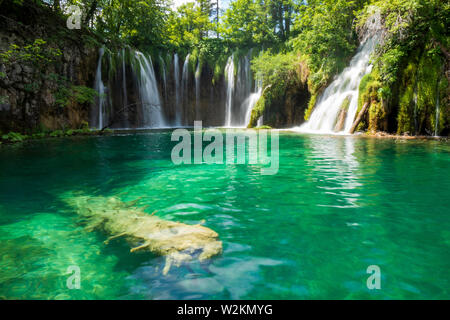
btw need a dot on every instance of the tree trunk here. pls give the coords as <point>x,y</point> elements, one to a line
<point>359,117</point>
<point>91,11</point>
<point>341,120</point>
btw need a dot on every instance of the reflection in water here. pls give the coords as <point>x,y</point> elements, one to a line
<point>334,163</point>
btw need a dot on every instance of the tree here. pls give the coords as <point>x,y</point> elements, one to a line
<point>245,23</point>
<point>190,23</point>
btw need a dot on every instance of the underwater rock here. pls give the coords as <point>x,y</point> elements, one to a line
<point>177,241</point>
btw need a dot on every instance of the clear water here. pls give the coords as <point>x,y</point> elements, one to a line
<point>337,205</point>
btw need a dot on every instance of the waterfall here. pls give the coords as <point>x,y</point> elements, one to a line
<point>184,83</point>
<point>100,88</point>
<point>197,91</point>
<point>229,74</point>
<point>324,117</point>
<point>260,122</point>
<point>176,77</point>
<point>251,101</point>
<point>346,85</point>
<point>164,76</point>
<point>134,94</point>
<point>242,94</point>
<point>244,79</point>
<point>151,105</point>
<point>124,86</point>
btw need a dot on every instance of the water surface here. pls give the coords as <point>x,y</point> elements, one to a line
<point>337,205</point>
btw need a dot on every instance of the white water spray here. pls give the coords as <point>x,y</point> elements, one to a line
<point>229,75</point>
<point>197,90</point>
<point>151,105</point>
<point>124,87</point>
<point>324,117</point>
<point>164,75</point>
<point>251,101</point>
<point>100,87</point>
<point>176,77</point>
<point>184,83</point>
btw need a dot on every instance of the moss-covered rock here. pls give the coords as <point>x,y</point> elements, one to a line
<point>285,96</point>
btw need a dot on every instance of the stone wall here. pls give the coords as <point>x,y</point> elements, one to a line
<point>29,92</point>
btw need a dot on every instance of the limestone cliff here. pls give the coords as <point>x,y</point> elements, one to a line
<point>46,69</point>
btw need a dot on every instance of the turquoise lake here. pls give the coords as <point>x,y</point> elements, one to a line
<point>337,205</point>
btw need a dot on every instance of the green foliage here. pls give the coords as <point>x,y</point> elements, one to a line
<point>250,23</point>
<point>83,94</point>
<point>422,85</point>
<point>278,72</point>
<point>67,94</point>
<point>409,24</point>
<point>371,91</point>
<point>36,54</point>
<point>325,38</point>
<point>272,68</point>
<point>212,52</point>
<point>303,41</point>
<point>245,23</point>
<point>189,24</point>
<point>14,137</point>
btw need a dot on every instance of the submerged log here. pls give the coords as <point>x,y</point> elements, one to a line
<point>177,241</point>
<point>359,117</point>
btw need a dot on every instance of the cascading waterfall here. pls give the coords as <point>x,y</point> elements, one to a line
<point>176,77</point>
<point>324,117</point>
<point>151,105</point>
<point>229,74</point>
<point>197,90</point>
<point>244,77</point>
<point>164,75</point>
<point>260,122</point>
<point>346,86</point>
<point>184,82</point>
<point>130,98</point>
<point>100,88</point>
<point>242,92</point>
<point>124,85</point>
<point>251,101</point>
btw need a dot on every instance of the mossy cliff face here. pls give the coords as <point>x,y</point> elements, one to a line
<point>46,70</point>
<point>411,105</point>
<point>423,97</point>
<point>284,99</point>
